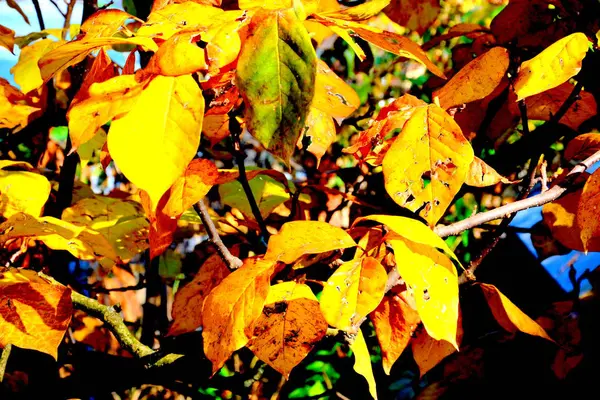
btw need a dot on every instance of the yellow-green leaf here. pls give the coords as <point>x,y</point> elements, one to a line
<point>552,67</point>
<point>353,291</point>
<point>22,191</point>
<point>268,193</point>
<point>276,76</point>
<point>362,362</point>
<point>154,143</point>
<point>298,238</point>
<point>289,327</point>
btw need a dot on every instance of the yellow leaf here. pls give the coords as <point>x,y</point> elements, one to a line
<point>319,130</point>
<point>362,362</point>
<point>288,328</point>
<point>26,71</point>
<point>433,279</point>
<point>333,95</point>
<point>154,143</point>
<point>343,33</point>
<point>105,101</point>
<point>189,300</point>
<point>481,175</point>
<point>80,241</point>
<point>7,38</point>
<point>427,163</point>
<point>34,313</point>
<point>552,67</point>
<point>395,321</point>
<point>16,109</point>
<point>298,238</point>
<point>353,291</point>
<point>122,222</point>
<point>587,213</point>
<point>231,309</point>
<point>475,80</point>
<point>267,4</point>
<point>360,12</point>
<point>76,51</point>
<point>416,15</point>
<point>560,216</point>
<point>22,191</point>
<point>509,316</point>
<point>582,146</point>
<point>93,146</point>
<point>105,23</point>
<point>179,55</point>
<point>224,45</point>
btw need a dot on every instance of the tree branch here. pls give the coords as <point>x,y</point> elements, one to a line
<point>505,211</point>
<point>232,261</point>
<point>38,12</point>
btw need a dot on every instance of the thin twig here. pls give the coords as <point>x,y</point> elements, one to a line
<point>38,12</point>
<point>68,14</point>
<point>506,210</point>
<point>58,8</point>
<point>232,261</point>
<point>4,360</point>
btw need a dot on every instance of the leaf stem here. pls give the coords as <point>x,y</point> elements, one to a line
<point>232,261</point>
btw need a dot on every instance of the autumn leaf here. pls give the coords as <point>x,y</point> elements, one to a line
<point>7,38</point>
<point>231,309</point>
<point>481,175</point>
<point>360,12</point>
<point>416,15</point>
<point>319,131</point>
<point>179,55</point>
<point>26,71</point>
<point>352,292</point>
<point>268,193</point>
<point>276,77</point>
<point>464,29</point>
<point>298,238</point>
<point>587,213</point>
<point>434,281</point>
<point>16,110</point>
<point>362,362</point>
<point>22,191</point>
<point>154,143</point>
<point>162,226</point>
<point>561,217</point>
<point>552,67</point>
<point>104,23</point>
<point>288,328</point>
<point>102,69</point>
<point>427,163</point>
<point>34,313</point>
<point>475,80</point>
<point>189,300</point>
<point>394,321</point>
<point>582,146</point>
<point>15,6</point>
<point>509,316</point>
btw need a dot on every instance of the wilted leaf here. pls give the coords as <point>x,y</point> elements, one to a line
<point>481,175</point>
<point>298,238</point>
<point>289,326</point>
<point>475,80</point>
<point>154,143</point>
<point>191,187</point>
<point>552,67</point>
<point>395,322</point>
<point>276,77</point>
<point>333,96</point>
<point>362,362</point>
<point>22,191</point>
<point>104,23</point>
<point>427,163</point>
<point>26,71</point>
<point>509,316</point>
<point>268,193</point>
<point>582,146</point>
<point>416,15</point>
<point>231,309</point>
<point>433,279</point>
<point>560,217</point>
<point>587,213</point>
<point>429,352</point>
<point>353,291</point>
<point>189,300</point>
<point>34,313</point>
<point>7,38</point>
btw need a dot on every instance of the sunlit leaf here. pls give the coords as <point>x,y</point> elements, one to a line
<point>298,238</point>
<point>320,131</point>
<point>34,313</point>
<point>7,38</point>
<point>26,71</point>
<point>362,362</point>
<point>22,191</point>
<point>179,55</point>
<point>276,75</point>
<point>552,67</point>
<point>268,193</point>
<point>104,23</point>
<point>333,96</point>
<point>429,352</point>
<point>481,175</point>
<point>16,109</point>
<point>360,12</point>
<point>289,326</point>
<point>231,309</point>
<point>102,69</point>
<point>154,143</point>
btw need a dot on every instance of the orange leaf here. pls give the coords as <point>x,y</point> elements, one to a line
<point>395,322</point>
<point>509,316</point>
<point>101,70</point>
<point>34,313</point>
<point>7,38</point>
<point>416,15</point>
<point>289,327</point>
<point>560,217</point>
<point>231,309</point>
<point>481,175</point>
<point>189,300</point>
<point>475,80</point>
<point>587,213</point>
<point>582,146</point>
<point>104,23</point>
<point>298,238</point>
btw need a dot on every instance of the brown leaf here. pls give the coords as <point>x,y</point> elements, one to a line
<point>34,313</point>
<point>582,146</point>
<point>560,217</point>
<point>7,38</point>
<point>587,213</point>
<point>416,15</point>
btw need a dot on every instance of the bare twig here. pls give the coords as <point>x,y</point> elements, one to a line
<point>506,210</point>
<point>232,261</point>
<point>58,8</point>
<point>38,12</point>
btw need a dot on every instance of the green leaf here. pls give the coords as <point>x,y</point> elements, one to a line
<point>276,75</point>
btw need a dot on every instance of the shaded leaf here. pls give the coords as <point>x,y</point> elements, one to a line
<point>276,77</point>
<point>416,15</point>
<point>552,67</point>
<point>154,143</point>
<point>582,146</point>
<point>22,191</point>
<point>298,238</point>
<point>362,362</point>
<point>353,291</point>
<point>429,352</point>
<point>481,175</point>
<point>587,213</point>
<point>560,217</point>
<point>289,326</point>
<point>231,309</point>
<point>34,313</point>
